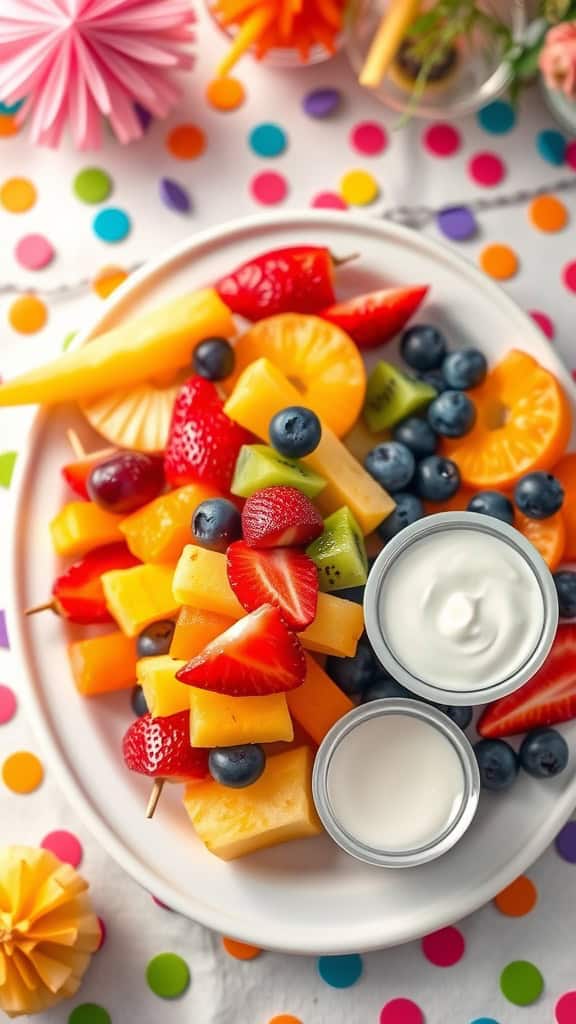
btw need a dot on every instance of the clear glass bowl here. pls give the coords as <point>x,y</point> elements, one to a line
<point>478,76</point>
<point>285,57</point>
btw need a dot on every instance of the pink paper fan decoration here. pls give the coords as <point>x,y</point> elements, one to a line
<point>77,61</point>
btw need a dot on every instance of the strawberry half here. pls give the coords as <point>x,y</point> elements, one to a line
<point>546,699</point>
<point>375,318</point>
<point>280,517</point>
<point>283,577</point>
<point>203,442</point>
<point>78,594</point>
<point>160,748</point>
<point>256,656</point>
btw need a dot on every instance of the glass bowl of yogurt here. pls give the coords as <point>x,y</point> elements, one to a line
<point>460,608</point>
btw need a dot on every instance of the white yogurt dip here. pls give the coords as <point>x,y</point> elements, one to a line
<point>461,609</point>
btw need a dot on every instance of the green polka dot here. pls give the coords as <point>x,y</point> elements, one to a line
<point>7,462</point>
<point>89,1013</point>
<point>167,975</point>
<point>68,340</point>
<point>92,185</point>
<point>521,983</point>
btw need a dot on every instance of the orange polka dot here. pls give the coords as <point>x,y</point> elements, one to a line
<point>548,214</point>
<point>517,899</point>
<point>285,1018</point>
<point>499,261</point>
<point>225,93</point>
<point>22,772</point>
<point>27,314</point>
<point>8,126</point>
<point>17,195</point>
<point>107,280</point>
<point>240,950</point>
<point>186,142</point>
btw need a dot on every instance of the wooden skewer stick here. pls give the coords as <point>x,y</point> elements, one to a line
<point>395,22</point>
<point>341,261</point>
<point>48,606</point>
<point>76,444</point>
<point>154,797</point>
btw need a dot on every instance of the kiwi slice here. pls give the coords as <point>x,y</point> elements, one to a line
<point>339,553</point>
<point>259,466</point>
<point>391,396</point>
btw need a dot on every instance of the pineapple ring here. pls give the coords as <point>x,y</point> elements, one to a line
<point>137,418</point>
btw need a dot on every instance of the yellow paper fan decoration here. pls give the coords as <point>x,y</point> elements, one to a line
<point>48,930</point>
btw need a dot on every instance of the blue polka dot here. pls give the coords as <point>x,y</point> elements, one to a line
<point>340,971</point>
<point>484,1020</point>
<point>111,225</point>
<point>552,147</point>
<point>11,108</point>
<point>268,140</point>
<point>497,118</point>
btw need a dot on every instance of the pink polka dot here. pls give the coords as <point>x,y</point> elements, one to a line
<point>65,846</point>
<point>487,169</point>
<point>401,1011</point>
<point>544,323</point>
<point>368,138</point>
<point>329,201</point>
<point>34,252</point>
<point>444,948</point>
<point>103,934</point>
<point>565,1009</point>
<point>442,139</point>
<point>269,188</point>
<point>569,276</point>
<point>8,704</point>
<point>571,154</point>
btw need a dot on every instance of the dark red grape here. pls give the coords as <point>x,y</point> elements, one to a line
<point>126,481</point>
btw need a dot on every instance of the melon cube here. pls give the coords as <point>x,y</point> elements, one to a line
<point>164,694</point>
<point>318,704</point>
<point>217,720</point>
<point>102,664</point>
<point>138,596</point>
<point>195,629</point>
<point>158,531</point>
<point>81,526</point>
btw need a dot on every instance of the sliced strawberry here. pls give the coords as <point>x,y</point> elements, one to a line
<point>203,442</point>
<point>78,594</point>
<point>375,318</point>
<point>160,748</point>
<point>280,517</point>
<point>297,279</point>
<point>546,699</point>
<point>76,473</point>
<point>256,656</point>
<point>283,577</point>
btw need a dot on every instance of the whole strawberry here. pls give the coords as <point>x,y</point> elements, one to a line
<point>160,748</point>
<point>203,442</point>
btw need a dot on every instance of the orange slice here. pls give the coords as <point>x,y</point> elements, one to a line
<point>523,423</point>
<point>547,535</point>
<point>565,471</point>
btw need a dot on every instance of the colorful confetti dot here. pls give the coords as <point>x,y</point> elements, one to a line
<point>11,108</point>
<point>107,281</point>
<point>267,140</point>
<point>8,126</point>
<point>186,142</point>
<point>27,314</point>
<point>571,154</point>
<point>544,322</point>
<point>368,138</point>
<point>319,103</point>
<point>34,252</point>
<point>268,188</point>
<point>18,195</point>
<point>92,185</point>
<point>569,276</point>
<point>225,93</point>
<point>565,841</point>
<point>497,118</point>
<point>174,195</point>
<point>144,116</point>
<point>328,201</point>
<point>442,139</point>
<point>4,642</point>
<point>284,1018</point>
<point>22,772</point>
<point>68,340</point>
<point>359,188</point>
<point>168,975</point>
<point>8,704</point>
<point>487,169</point>
<point>444,948</point>
<point>89,1013</point>
<point>551,146</point>
<point>103,933</point>
<point>484,1020</point>
<point>565,1009</point>
<point>7,463</point>
<point>457,223</point>
<point>521,983</point>
<point>517,899</point>
<point>547,213</point>
<point>64,845</point>
<point>499,261</point>
<point>401,1011</point>
<point>340,971</point>
<point>240,950</point>
<point>111,225</point>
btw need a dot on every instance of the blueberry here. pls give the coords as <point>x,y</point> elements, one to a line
<point>452,414</point>
<point>435,379</point>
<point>464,369</point>
<point>408,510</point>
<point>353,675</point>
<point>543,753</point>
<point>213,359</point>
<point>423,347</point>
<point>385,687</point>
<point>295,431</point>
<point>138,702</point>
<point>461,716</point>
<point>539,495</point>
<point>436,478</point>
<point>497,762</point>
<point>417,435</point>
<point>493,503</point>
<point>155,639</point>
<point>237,767</point>
<point>392,464</point>
<point>566,589</point>
<point>216,523</point>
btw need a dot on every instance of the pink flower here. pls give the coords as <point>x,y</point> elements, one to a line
<point>558,58</point>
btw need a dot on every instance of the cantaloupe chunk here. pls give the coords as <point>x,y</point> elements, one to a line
<point>81,526</point>
<point>217,720</point>
<point>138,596</point>
<point>195,628</point>
<point>261,391</point>
<point>278,807</point>
<point>158,531</point>
<point>200,579</point>
<point>318,704</point>
<point>101,664</point>
<point>164,694</point>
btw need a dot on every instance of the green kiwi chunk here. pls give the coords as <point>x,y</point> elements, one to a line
<point>259,466</point>
<point>391,396</point>
<point>339,553</point>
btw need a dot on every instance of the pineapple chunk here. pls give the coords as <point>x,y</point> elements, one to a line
<point>195,629</point>
<point>81,526</point>
<point>102,664</point>
<point>318,703</point>
<point>164,694</point>
<point>201,580</point>
<point>158,531</point>
<point>261,391</point>
<point>278,807</point>
<point>217,720</point>
<point>138,596</point>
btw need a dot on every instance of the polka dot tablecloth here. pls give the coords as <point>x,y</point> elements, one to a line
<point>274,140</point>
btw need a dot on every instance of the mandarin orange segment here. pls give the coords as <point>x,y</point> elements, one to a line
<point>565,471</point>
<point>547,535</point>
<point>523,424</point>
